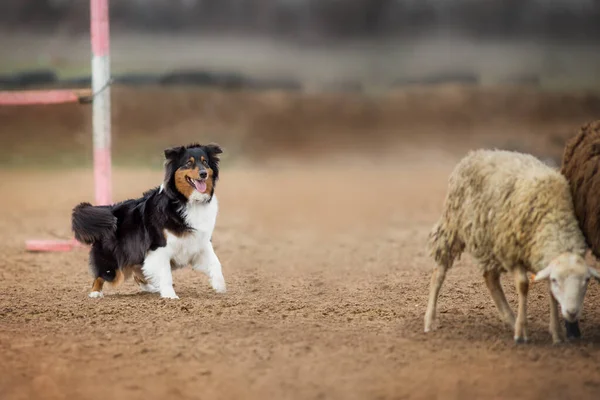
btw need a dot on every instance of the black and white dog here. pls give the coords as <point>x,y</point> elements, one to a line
<point>168,227</point>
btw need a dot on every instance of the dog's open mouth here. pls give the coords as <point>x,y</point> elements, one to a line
<point>198,184</point>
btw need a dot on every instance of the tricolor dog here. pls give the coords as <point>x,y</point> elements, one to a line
<point>169,227</point>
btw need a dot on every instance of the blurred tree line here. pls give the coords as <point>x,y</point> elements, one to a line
<point>320,19</point>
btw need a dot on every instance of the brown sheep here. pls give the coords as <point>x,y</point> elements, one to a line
<point>580,165</point>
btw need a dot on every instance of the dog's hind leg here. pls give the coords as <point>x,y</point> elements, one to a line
<point>104,269</point>
<point>97,288</point>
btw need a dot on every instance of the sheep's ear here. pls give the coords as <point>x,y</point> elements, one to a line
<point>544,274</point>
<point>594,272</point>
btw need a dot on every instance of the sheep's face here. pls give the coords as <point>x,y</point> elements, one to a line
<point>569,276</point>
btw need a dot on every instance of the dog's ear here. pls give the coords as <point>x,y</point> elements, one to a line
<point>173,152</point>
<point>213,149</point>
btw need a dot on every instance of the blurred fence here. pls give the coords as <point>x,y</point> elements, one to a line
<point>48,78</point>
<point>297,44</point>
<point>577,19</point>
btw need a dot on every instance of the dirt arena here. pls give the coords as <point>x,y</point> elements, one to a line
<point>322,240</point>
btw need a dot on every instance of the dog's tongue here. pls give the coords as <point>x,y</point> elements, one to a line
<point>200,185</point>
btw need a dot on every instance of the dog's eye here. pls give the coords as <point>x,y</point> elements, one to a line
<point>205,163</point>
<point>554,281</point>
<point>188,164</point>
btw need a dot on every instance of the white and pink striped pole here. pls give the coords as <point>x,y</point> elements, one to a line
<point>100,38</point>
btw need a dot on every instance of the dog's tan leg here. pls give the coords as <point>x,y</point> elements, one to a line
<point>140,279</point>
<point>97,288</point>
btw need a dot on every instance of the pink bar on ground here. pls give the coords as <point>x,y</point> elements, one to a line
<point>99,27</point>
<point>102,176</point>
<point>28,97</point>
<point>52,245</point>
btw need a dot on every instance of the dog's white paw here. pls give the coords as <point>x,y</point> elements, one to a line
<point>148,288</point>
<point>168,293</point>
<point>96,295</point>
<point>218,284</point>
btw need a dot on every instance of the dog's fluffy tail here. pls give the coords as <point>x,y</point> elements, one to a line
<point>90,224</point>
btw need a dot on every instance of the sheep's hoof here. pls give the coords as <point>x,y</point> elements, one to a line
<point>430,326</point>
<point>521,340</point>
<point>573,331</point>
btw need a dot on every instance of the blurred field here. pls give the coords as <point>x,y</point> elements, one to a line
<point>373,64</point>
<point>326,203</point>
<point>279,125</point>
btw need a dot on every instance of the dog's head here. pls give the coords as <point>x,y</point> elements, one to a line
<point>191,172</point>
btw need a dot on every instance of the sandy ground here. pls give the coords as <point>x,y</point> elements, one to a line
<point>327,283</point>
<point>327,279</point>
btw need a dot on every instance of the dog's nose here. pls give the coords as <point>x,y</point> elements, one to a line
<point>203,174</point>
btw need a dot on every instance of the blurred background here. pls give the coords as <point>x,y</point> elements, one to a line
<point>287,74</point>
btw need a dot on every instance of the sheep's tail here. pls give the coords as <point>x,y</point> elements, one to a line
<point>90,224</point>
<point>444,245</point>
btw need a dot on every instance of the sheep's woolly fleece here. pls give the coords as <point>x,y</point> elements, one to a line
<point>580,165</point>
<point>506,209</point>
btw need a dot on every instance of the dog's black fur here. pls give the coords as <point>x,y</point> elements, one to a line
<point>122,234</point>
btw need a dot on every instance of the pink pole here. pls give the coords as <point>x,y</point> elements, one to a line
<point>99,30</point>
<point>28,97</point>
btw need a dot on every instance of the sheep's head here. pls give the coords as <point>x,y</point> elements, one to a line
<point>569,276</point>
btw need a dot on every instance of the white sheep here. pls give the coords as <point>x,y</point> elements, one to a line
<point>514,214</point>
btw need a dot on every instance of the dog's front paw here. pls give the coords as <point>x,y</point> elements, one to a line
<point>96,295</point>
<point>168,293</point>
<point>146,287</point>
<point>218,284</point>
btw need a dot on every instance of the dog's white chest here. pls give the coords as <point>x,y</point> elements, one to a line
<point>187,249</point>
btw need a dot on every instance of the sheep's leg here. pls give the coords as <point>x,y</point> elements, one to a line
<point>555,329</point>
<point>492,280</point>
<point>437,279</point>
<point>522,285</point>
